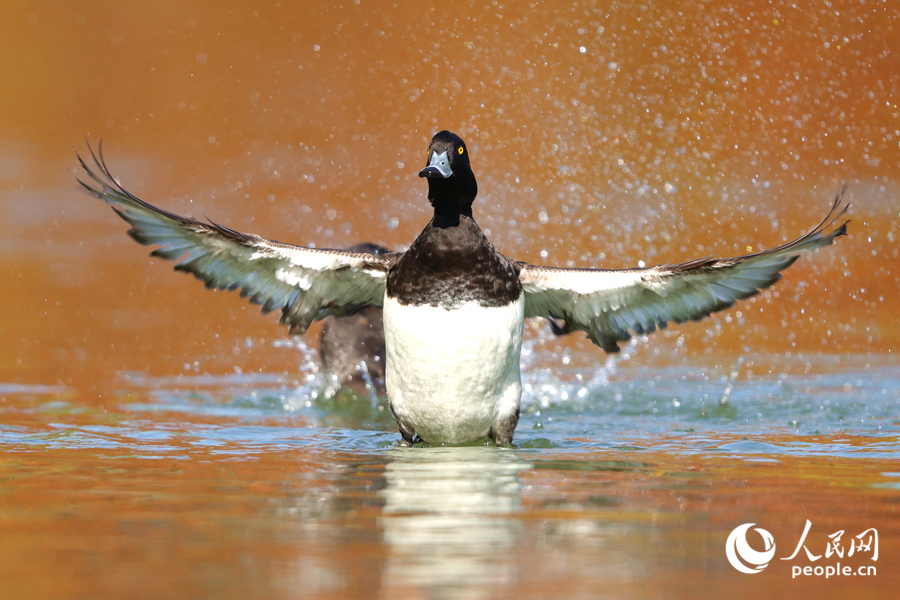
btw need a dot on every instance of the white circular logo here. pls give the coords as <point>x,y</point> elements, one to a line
<point>739,551</point>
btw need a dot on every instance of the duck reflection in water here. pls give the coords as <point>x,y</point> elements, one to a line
<point>446,520</point>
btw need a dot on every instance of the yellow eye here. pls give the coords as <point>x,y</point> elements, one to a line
<point>460,150</point>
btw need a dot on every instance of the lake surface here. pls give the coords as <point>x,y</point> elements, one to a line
<point>627,486</point>
<point>158,440</point>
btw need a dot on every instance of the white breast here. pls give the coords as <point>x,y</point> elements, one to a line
<point>452,374</point>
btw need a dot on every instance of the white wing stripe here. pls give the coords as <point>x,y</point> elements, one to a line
<point>292,279</point>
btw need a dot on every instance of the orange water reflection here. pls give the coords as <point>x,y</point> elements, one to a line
<point>600,136</point>
<point>283,524</point>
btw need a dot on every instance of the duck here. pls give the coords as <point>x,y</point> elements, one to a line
<point>454,307</point>
<point>351,347</point>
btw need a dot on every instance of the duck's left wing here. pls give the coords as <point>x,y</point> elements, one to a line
<point>305,284</point>
<point>608,305</point>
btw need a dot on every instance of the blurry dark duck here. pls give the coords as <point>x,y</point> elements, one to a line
<point>352,346</point>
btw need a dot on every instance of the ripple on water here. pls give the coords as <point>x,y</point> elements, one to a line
<point>849,414</point>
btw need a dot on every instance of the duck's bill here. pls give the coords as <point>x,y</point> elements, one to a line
<point>438,166</point>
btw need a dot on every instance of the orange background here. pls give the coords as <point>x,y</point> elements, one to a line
<point>601,137</point>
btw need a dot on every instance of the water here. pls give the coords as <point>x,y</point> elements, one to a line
<point>624,485</point>
<point>674,409</point>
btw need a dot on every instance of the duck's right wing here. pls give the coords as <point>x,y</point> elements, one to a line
<point>305,284</point>
<point>608,305</point>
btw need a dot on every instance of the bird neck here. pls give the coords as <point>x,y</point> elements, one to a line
<point>445,220</point>
<point>453,197</point>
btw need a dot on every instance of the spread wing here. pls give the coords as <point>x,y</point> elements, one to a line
<point>305,284</point>
<point>610,304</point>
